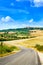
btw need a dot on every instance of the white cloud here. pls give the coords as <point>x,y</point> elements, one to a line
<point>8,22</point>
<point>6,19</point>
<point>37,23</point>
<point>31,20</point>
<point>37,3</point>
<point>2,19</point>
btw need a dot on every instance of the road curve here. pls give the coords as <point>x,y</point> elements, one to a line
<point>24,57</point>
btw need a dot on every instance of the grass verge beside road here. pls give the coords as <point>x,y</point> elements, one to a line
<point>6,50</point>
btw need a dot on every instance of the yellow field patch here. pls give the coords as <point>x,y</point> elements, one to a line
<point>32,41</point>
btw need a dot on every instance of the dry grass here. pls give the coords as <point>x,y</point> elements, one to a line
<point>36,32</point>
<point>31,42</point>
<point>26,42</point>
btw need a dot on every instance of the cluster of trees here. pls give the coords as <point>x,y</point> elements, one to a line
<point>20,34</point>
<point>23,32</point>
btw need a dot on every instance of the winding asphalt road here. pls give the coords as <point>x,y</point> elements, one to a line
<point>24,57</point>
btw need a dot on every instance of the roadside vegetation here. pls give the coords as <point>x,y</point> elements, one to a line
<point>39,47</point>
<point>5,49</point>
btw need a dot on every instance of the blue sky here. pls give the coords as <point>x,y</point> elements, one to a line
<point>21,13</point>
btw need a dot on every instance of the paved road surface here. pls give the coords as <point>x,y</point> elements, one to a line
<point>24,57</point>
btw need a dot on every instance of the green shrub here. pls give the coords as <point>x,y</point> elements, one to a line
<point>7,49</point>
<point>39,47</point>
